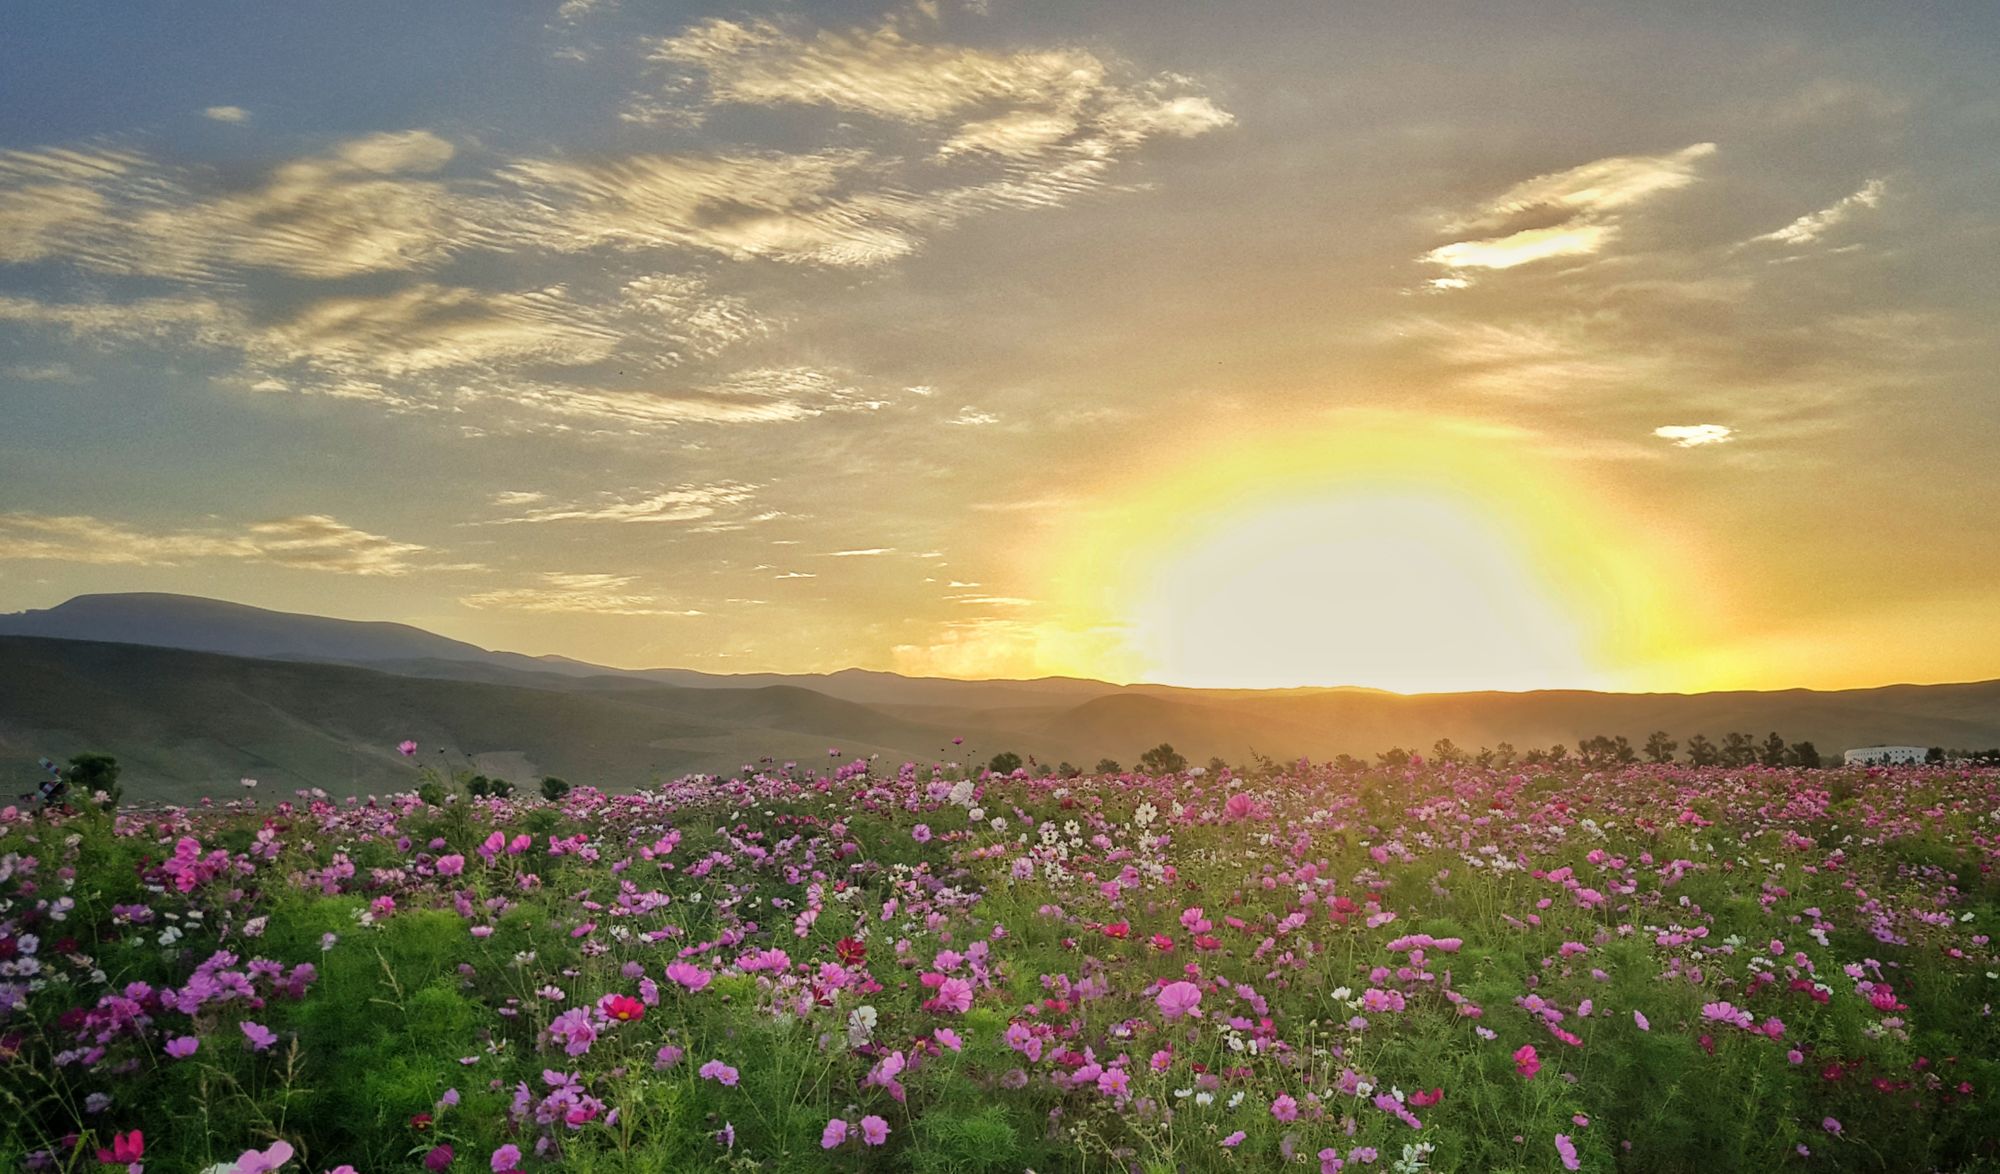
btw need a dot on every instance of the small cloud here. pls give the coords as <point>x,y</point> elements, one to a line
<point>1694,435</point>
<point>1810,227</point>
<point>796,575</point>
<point>683,503</point>
<point>227,114</point>
<point>972,417</point>
<point>43,373</point>
<point>872,550</point>
<point>307,541</point>
<point>584,594</point>
<point>1575,212</point>
<point>509,497</point>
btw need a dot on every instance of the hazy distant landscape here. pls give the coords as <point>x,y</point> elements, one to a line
<point>309,702</point>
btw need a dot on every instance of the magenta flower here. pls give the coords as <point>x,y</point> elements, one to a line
<point>182,1047</point>
<point>717,1071</point>
<point>260,1037</point>
<point>1177,999</point>
<point>1526,1062</point>
<point>408,748</point>
<point>874,1130</point>
<point>451,865</point>
<point>1233,1140</point>
<point>1567,1151</point>
<point>507,1159</point>
<point>439,1159</point>
<point>1639,1017</point>
<point>666,1058</point>
<point>1285,1108</point>
<point>921,833</point>
<point>833,1135</point>
<point>947,1038</point>
<point>1831,1126</point>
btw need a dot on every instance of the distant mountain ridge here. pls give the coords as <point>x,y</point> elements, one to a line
<point>306,700</point>
<point>199,624</point>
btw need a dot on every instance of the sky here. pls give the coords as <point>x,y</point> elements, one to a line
<point>1422,346</point>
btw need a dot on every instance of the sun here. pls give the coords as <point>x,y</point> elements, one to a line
<point>1410,557</point>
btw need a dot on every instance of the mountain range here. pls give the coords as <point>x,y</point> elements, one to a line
<point>191,694</point>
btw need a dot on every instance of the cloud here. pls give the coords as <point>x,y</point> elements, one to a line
<point>1694,435</point>
<point>371,204</point>
<point>685,503</point>
<point>227,114</point>
<point>1810,227</point>
<point>741,205</point>
<point>53,200</point>
<point>307,541</point>
<point>1563,214</point>
<point>586,594</point>
<point>758,396</point>
<point>861,553</point>
<point>43,373</point>
<point>429,327</point>
<point>972,417</point>
<point>513,497</point>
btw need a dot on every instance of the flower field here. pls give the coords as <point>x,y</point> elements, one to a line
<point>872,968</point>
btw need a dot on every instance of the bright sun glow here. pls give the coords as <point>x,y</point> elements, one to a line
<point>1399,592</point>
<point>1414,558</point>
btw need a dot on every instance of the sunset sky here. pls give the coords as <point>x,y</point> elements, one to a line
<point>1418,345</point>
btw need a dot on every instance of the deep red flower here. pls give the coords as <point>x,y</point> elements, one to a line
<point>850,951</point>
<point>126,1148</point>
<point>624,1008</point>
<point>420,1121</point>
<point>1118,929</point>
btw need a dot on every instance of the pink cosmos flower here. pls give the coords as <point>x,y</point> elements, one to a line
<point>183,1047</point>
<point>666,1058</point>
<point>833,1135</point>
<point>874,1130</point>
<point>506,1159</point>
<point>947,1038</point>
<point>1233,1140</point>
<point>264,1161</point>
<point>451,865</point>
<point>407,748</point>
<point>717,1071</point>
<point>1639,1017</point>
<point>125,1148</point>
<point>921,833</point>
<point>689,975</point>
<point>1526,1062</point>
<point>1285,1108</point>
<point>1567,1151</point>
<point>953,994</point>
<point>260,1037</point>
<point>1177,999</point>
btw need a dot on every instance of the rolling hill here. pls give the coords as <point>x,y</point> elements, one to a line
<point>187,723</point>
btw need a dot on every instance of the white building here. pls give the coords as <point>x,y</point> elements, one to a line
<point>1883,755</point>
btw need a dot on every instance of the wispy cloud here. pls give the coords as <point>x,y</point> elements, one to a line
<point>684,503</point>
<point>1694,435</point>
<point>758,396</point>
<point>1563,214</point>
<point>586,594</point>
<point>227,114</point>
<point>1810,227</point>
<point>864,552</point>
<point>308,541</point>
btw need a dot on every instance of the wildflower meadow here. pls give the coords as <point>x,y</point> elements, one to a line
<point>926,968</point>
